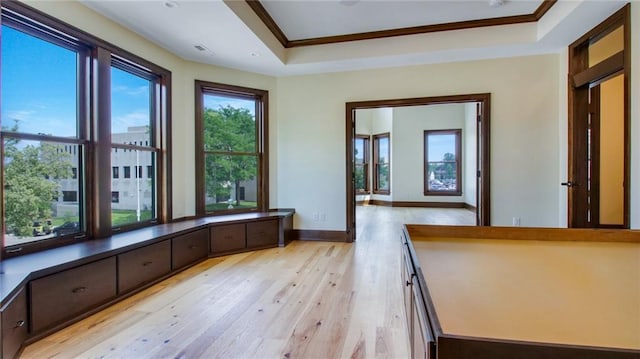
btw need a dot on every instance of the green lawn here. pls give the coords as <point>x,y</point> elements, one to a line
<point>224,206</point>
<point>121,217</point>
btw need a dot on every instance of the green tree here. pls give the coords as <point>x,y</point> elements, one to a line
<point>230,133</point>
<point>29,186</point>
<point>449,166</point>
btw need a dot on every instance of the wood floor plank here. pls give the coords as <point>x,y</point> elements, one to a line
<point>306,300</point>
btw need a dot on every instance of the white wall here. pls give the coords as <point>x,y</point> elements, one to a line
<point>307,124</point>
<point>470,157</point>
<point>524,132</point>
<point>409,123</point>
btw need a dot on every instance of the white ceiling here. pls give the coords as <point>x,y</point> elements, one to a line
<point>234,37</point>
<point>311,19</point>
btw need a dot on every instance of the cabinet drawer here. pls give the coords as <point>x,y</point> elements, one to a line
<point>226,238</point>
<point>14,325</point>
<point>189,247</point>
<point>143,265</point>
<point>262,233</point>
<point>64,295</point>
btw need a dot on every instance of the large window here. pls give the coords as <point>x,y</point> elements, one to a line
<point>442,151</point>
<point>68,100</point>
<point>381,164</point>
<point>361,163</point>
<point>132,141</point>
<point>231,158</point>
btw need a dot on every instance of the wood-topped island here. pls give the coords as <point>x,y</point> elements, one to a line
<point>492,292</point>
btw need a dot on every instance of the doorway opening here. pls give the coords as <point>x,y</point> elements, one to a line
<point>439,176</point>
<point>599,121</point>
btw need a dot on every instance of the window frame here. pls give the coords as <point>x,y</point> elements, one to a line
<point>457,132</point>
<point>95,56</point>
<point>261,98</point>
<point>366,159</point>
<point>376,163</point>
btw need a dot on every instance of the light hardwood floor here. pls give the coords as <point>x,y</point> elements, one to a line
<point>308,300</point>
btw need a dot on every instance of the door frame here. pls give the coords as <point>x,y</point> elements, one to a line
<point>482,154</point>
<point>580,81</point>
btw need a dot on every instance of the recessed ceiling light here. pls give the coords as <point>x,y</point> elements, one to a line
<point>204,49</point>
<point>255,54</point>
<point>171,4</point>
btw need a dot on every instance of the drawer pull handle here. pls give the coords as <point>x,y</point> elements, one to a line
<point>408,283</point>
<point>193,247</point>
<point>20,323</point>
<point>145,264</point>
<point>14,250</point>
<point>79,290</point>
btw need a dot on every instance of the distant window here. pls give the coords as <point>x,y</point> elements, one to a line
<point>69,196</point>
<point>115,197</point>
<point>74,173</point>
<point>127,171</point>
<point>382,164</point>
<point>149,171</point>
<point>115,173</point>
<point>442,151</point>
<point>361,160</point>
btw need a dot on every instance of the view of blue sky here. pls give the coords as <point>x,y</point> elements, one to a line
<point>130,101</point>
<point>439,145</point>
<point>216,101</point>
<point>39,92</point>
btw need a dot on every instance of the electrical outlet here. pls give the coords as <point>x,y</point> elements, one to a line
<point>315,216</point>
<point>323,217</point>
<point>516,221</point>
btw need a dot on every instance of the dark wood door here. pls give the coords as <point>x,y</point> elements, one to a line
<point>598,154</point>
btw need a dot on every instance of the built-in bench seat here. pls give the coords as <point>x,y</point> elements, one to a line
<point>45,291</point>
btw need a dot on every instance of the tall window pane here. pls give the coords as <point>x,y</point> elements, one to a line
<point>231,160</point>
<point>443,163</point>
<point>43,162</point>
<point>132,148</point>
<point>231,153</point>
<point>382,164</point>
<point>361,161</point>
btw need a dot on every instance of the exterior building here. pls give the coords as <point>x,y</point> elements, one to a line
<point>132,176</point>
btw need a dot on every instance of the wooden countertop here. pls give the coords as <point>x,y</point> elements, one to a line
<point>569,292</point>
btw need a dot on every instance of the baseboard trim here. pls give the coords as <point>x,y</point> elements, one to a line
<point>319,235</point>
<point>376,202</point>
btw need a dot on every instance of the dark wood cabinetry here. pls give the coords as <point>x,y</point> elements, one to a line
<point>14,324</point>
<point>64,295</point>
<point>188,248</point>
<point>143,265</point>
<point>238,237</point>
<point>228,238</point>
<point>41,292</point>
<point>421,341</point>
<point>262,234</point>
